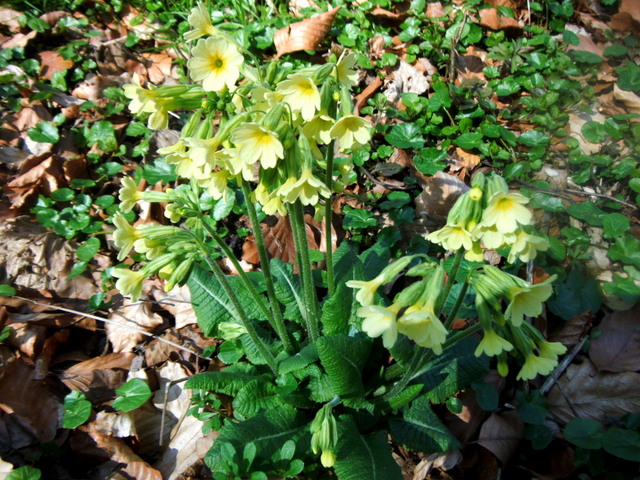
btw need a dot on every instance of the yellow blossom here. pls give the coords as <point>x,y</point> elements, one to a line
<point>129,194</point>
<point>151,248</point>
<point>319,128</point>
<point>124,235</point>
<point>345,74</point>
<point>215,183</point>
<point>421,325</point>
<point>142,99</point>
<point>301,94</point>
<point>506,211</point>
<point>159,119</point>
<point>493,238</point>
<point>526,247</point>
<point>216,61</point>
<point>527,300</point>
<point>492,344</point>
<point>367,290</point>
<point>327,459</point>
<point>551,350</point>
<point>452,238</point>
<point>535,365</point>
<point>380,321</point>
<point>129,282</point>
<point>351,132</point>
<point>307,189</point>
<point>200,22</point>
<point>256,143</point>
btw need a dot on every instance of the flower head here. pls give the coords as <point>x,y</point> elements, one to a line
<point>200,22</point>
<point>421,325</point>
<point>129,282</point>
<point>452,238</point>
<point>551,350</point>
<point>380,321</point>
<point>535,365</point>
<point>506,211</point>
<point>129,194</point>
<point>527,300</point>
<point>367,290</point>
<point>256,143</point>
<point>351,132</point>
<point>345,74</point>
<point>307,189</point>
<point>526,247</point>
<point>216,61</point>
<point>142,99</point>
<point>124,235</point>
<point>301,94</point>
<point>319,128</point>
<point>492,344</point>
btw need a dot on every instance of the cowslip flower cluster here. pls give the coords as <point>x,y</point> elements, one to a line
<point>490,216</point>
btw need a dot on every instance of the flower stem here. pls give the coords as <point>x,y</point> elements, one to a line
<point>328,214</point>
<point>456,307</point>
<point>278,319</point>
<point>450,280</point>
<point>296,215</point>
<point>420,357</point>
<point>242,315</point>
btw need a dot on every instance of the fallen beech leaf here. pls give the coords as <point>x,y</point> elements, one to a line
<point>584,392</point>
<point>464,162</point>
<point>439,195</point>
<point>52,17</point>
<point>137,315</point>
<point>120,452</point>
<point>631,100</point>
<point>410,79</point>
<point>28,401</point>
<point>501,434</point>
<point>631,7</point>
<point>444,461</point>
<point>11,155</point>
<point>10,19</point>
<point>52,62</point>
<point>617,349</point>
<point>178,303</point>
<point>19,40</point>
<point>490,18</point>
<point>29,339</point>
<point>304,35</point>
<point>159,66</point>
<point>98,377</point>
<point>574,330</point>
<point>435,10</point>
<point>114,424</point>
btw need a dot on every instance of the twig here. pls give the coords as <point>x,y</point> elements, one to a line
<point>164,407</point>
<point>113,322</point>
<point>384,184</point>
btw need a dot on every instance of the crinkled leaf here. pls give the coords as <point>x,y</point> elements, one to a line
<point>406,135</point>
<point>615,225</point>
<point>288,289</point>
<point>228,381</point>
<point>255,396</point>
<point>343,359</point>
<point>304,357</point>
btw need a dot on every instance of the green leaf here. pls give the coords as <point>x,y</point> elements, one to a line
<point>24,473</point>
<point>627,250</point>
<point>133,394</point>
<point>486,395</point>
<point>339,311</point>
<point>588,212</point>
<point>622,443</point>
<point>44,132</point>
<point>63,195</point>
<point>255,396</point>
<point>268,431</point>
<point>616,50</point>
<point>593,132</point>
<point>343,359</point>
<point>405,397</point>
<point>615,225</point>
<point>159,171</point>
<point>629,77</point>
<point>377,257</point>
<point>577,294</point>
<point>88,249</point>
<point>634,184</point>
<point>228,381</point>
<point>5,333</point>
<point>421,430</point>
<point>359,218</point>
<point>406,135</point>
<point>136,129</point>
<point>533,409</point>
<point>582,56</point>
<point>77,409</point>
<point>230,352</point>
<point>288,290</point>
<point>7,290</point>
<point>363,457</point>
<point>452,371</point>
<point>212,305</point>
<point>584,433</point>
<point>624,287</point>
<point>469,141</point>
<point>103,134</point>
<point>224,206</point>
<point>430,160</point>
<point>534,138</point>
<point>304,357</point>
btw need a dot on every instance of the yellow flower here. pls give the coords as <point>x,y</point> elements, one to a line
<point>492,344</point>
<point>527,300</point>
<point>327,459</point>
<point>159,119</point>
<point>151,248</point>
<point>380,321</point>
<point>256,143</point>
<point>142,99</point>
<point>534,365</point>
<point>367,290</point>
<point>421,325</point>
<point>452,238</point>
<point>215,183</point>
<point>351,132</point>
<point>129,282</point>
<point>129,194</point>
<point>492,237</point>
<point>216,61</point>
<point>171,212</point>
<point>476,254</point>
<point>308,189</point>
<point>345,74</point>
<point>200,22</point>
<point>526,247</point>
<point>301,94</point>
<point>551,350</point>
<point>124,235</point>
<point>506,211</point>
<point>319,128</point>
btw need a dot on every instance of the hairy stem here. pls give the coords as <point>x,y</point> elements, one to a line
<point>328,214</point>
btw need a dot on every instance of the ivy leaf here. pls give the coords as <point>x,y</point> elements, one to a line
<point>133,394</point>
<point>629,77</point>
<point>103,134</point>
<point>361,457</point>
<point>615,225</point>
<point>622,443</point>
<point>430,160</point>
<point>406,135</point>
<point>534,138</point>
<point>469,141</point>
<point>343,358</point>
<point>627,250</point>
<point>88,249</point>
<point>44,132</point>
<point>577,294</point>
<point>77,409</point>
<point>421,430</point>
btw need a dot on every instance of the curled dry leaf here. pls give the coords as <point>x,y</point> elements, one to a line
<point>444,461</point>
<point>178,303</point>
<point>584,392</point>
<point>630,100</point>
<point>574,330</point>
<point>10,19</point>
<point>501,434</point>
<point>491,18</point>
<point>304,35</point>
<point>19,40</point>
<point>617,349</point>
<point>630,7</point>
<point>441,192</point>
<point>138,315</point>
<point>52,62</point>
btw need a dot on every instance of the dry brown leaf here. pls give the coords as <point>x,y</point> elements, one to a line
<point>490,18</point>
<point>617,348</point>
<point>115,424</point>
<point>304,35</point>
<point>439,195</point>
<point>444,461</point>
<point>630,100</point>
<point>137,315</point>
<point>585,393</point>
<point>407,78</point>
<point>630,7</point>
<point>29,339</point>
<point>574,330</point>
<point>13,155</point>
<point>464,162</point>
<point>120,452</point>
<point>435,10</point>
<point>10,19</point>
<point>28,401</point>
<point>501,434</point>
<point>159,66</point>
<point>52,62</point>
<point>52,17</point>
<point>19,40</point>
<point>178,303</point>
<point>98,377</point>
